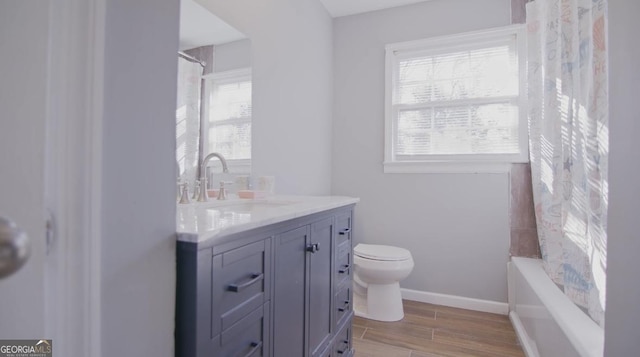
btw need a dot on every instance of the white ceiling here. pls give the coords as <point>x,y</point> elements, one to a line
<point>199,27</point>
<point>339,8</point>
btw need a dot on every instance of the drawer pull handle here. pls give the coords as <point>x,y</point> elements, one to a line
<point>236,288</point>
<point>344,269</point>
<point>344,231</point>
<point>346,348</point>
<point>346,342</point>
<point>256,346</point>
<point>345,307</point>
<point>313,247</point>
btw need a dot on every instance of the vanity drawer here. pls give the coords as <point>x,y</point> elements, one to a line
<point>248,337</point>
<point>342,344</point>
<point>342,303</point>
<point>343,227</point>
<point>240,283</point>
<point>344,264</point>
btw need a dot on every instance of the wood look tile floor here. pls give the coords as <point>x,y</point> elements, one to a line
<point>436,331</point>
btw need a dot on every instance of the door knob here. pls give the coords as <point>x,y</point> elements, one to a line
<point>14,247</point>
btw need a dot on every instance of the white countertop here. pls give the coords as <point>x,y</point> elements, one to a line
<point>202,221</point>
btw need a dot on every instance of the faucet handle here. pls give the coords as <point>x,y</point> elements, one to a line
<point>178,189</point>
<point>184,198</point>
<point>196,190</point>
<point>222,193</point>
<point>202,196</point>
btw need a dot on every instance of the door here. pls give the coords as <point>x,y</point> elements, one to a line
<point>24,32</point>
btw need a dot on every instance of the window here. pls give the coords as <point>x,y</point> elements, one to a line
<point>456,103</point>
<point>229,117</point>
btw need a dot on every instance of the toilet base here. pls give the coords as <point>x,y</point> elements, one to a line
<point>380,303</point>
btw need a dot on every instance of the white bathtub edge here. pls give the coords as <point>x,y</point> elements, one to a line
<point>583,333</point>
<point>527,344</point>
<point>460,302</point>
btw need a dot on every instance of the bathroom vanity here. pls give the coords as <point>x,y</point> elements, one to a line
<point>265,278</point>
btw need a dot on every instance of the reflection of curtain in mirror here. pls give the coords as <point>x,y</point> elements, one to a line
<point>188,119</point>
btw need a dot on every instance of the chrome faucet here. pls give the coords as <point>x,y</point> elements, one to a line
<point>204,197</point>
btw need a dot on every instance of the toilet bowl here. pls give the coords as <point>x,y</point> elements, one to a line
<point>376,282</point>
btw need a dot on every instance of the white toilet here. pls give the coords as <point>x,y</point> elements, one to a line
<point>376,282</point>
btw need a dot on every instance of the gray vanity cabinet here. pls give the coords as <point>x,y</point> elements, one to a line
<point>282,290</point>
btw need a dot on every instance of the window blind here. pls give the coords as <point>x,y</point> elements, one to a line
<point>456,101</point>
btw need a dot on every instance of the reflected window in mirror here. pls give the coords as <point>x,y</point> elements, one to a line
<point>228,96</point>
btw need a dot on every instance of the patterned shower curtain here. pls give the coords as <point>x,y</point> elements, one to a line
<point>568,119</point>
<point>188,119</point>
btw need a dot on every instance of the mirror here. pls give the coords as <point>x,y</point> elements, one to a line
<point>213,112</point>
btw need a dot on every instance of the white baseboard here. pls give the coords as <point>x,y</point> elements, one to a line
<point>528,345</point>
<point>456,301</point>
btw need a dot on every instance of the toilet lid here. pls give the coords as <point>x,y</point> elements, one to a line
<point>381,252</point>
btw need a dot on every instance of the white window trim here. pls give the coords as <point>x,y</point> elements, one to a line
<point>491,163</point>
<point>236,166</point>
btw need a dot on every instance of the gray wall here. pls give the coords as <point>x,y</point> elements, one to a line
<point>138,213</point>
<point>622,320</point>
<point>456,225</point>
<point>232,55</point>
<point>292,86</point>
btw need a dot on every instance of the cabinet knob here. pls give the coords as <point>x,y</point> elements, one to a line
<point>313,247</point>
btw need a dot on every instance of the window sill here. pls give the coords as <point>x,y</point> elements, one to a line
<point>447,167</point>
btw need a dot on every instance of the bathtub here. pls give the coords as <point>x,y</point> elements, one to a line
<point>547,323</point>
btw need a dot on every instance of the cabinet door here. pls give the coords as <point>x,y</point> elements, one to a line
<point>320,278</point>
<point>289,293</point>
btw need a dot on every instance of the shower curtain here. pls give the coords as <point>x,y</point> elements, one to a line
<point>188,119</point>
<point>568,127</point>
